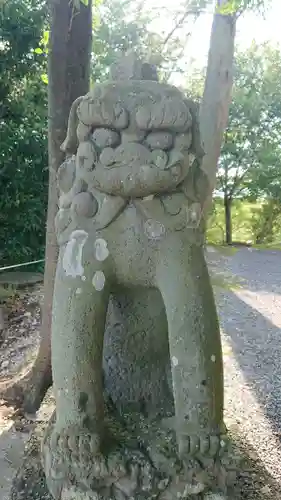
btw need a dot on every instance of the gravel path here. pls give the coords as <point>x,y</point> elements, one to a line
<point>251,323</point>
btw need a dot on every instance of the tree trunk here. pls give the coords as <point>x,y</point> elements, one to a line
<point>69,78</point>
<point>217,92</point>
<point>228,220</point>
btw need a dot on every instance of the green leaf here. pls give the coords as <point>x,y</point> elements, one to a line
<point>85,2</point>
<point>38,51</point>
<point>45,39</point>
<point>44,78</point>
<point>229,8</point>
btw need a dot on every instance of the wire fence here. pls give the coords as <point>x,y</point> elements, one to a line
<point>6,268</point>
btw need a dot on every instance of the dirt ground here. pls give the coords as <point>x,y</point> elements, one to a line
<point>18,347</point>
<point>250,318</point>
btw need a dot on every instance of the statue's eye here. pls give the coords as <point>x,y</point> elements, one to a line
<point>103,137</point>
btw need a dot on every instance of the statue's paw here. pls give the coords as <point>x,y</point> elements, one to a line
<point>75,443</point>
<point>208,446</point>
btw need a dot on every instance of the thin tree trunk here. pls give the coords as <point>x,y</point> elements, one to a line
<point>228,219</point>
<point>69,78</point>
<point>217,92</point>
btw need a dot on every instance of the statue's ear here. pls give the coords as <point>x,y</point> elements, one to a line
<point>69,145</point>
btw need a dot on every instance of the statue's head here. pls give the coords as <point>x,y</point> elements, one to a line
<point>140,131</point>
<point>137,137</point>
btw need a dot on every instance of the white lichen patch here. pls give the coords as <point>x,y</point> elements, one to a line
<point>175,361</point>
<point>98,280</point>
<point>213,358</point>
<point>193,489</point>
<point>154,229</point>
<point>83,278</point>
<point>72,259</point>
<point>78,291</point>
<point>101,250</point>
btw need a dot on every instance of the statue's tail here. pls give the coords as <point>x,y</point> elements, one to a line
<point>69,145</point>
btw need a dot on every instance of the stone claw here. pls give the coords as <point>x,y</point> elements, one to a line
<point>205,445</point>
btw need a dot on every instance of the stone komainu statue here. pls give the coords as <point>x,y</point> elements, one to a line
<point>136,353</point>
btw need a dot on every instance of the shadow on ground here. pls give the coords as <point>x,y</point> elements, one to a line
<point>253,480</point>
<point>256,344</point>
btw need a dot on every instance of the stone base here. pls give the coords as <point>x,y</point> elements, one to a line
<point>252,479</point>
<point>138,460</point>
<point>74,493</point>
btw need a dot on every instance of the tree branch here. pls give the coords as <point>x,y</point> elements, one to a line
<point>237,181</point>
<point>179,24</point>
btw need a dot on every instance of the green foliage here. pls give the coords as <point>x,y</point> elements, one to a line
<point>251,153</point>
<point>242,222</point>
<point>266,222</point>
<point>113,34</point>
<point>121,25</point>
<point>257,223</point>
<point>23,114</point>
<point>249,164</point>
<point>24,36</point>
<point>238,6</point>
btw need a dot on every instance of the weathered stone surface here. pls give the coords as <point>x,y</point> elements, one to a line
<point>133,136</point>
<point>99,113</point>
<point>78,186</point>
<point>159,158</point>
<point>170,113</point>
<point>103,138</point>
<point>128,155</point>
<point>84,205</point>
<point>133,293</point>
<point>131,68</point>
<point>86,156</point>
<point>127,69</point>
<point>66,175</point>
<point>183,141</point>
<point>83,132</point>
<point>159,140</point>
<point>62,220</point>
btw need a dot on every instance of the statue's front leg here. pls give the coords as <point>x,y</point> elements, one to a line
<point>79,313</point>
<point>195,347</point>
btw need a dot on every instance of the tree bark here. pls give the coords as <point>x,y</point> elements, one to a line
<point>69,78</point>
<point>228,220</point>
<point>217,92</point>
